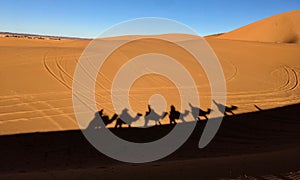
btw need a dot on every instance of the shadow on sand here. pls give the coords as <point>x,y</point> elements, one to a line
<point>243,134</point>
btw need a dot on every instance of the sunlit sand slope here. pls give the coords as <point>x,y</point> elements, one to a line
<point>36,75</point>
<point>281,28</point>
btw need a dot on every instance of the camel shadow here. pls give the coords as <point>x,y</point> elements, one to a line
<point>153,116</point>
<point>198,112</point>
<point>227,109</point>
<point>96,124</point>
<point>126,118</point>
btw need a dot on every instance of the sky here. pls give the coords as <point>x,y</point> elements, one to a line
<point>89,18</point>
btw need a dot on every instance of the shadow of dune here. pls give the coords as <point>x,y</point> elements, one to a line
<point>240,135</point>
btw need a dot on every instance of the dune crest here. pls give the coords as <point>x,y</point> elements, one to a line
<point>281,28</point>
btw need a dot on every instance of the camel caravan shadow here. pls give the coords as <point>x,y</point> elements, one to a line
<point>257,132</point>
<point>174,115</point>
<point>96,124</point>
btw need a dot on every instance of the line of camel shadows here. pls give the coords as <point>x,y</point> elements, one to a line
<point>151,115</point>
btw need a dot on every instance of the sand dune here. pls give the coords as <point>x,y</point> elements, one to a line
<point>36,75</point>
<point>281,28</point>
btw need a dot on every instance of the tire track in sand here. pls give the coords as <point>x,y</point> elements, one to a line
<point>62,82</point>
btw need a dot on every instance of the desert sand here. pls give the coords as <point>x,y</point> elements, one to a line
<point>257,145</point>
<point>281,28</point>
<point>261,67</point>
<point>36,80</point>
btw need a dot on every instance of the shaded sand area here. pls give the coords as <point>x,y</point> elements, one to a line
<point>36,75</point>
<point>257,145</point>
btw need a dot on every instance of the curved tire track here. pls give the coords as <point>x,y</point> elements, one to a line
<point>60,80</point>
<point>284,88</point>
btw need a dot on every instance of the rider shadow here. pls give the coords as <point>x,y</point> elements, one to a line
<point>176,115</point>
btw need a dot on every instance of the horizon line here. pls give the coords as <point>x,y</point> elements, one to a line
<point>86,38</point>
